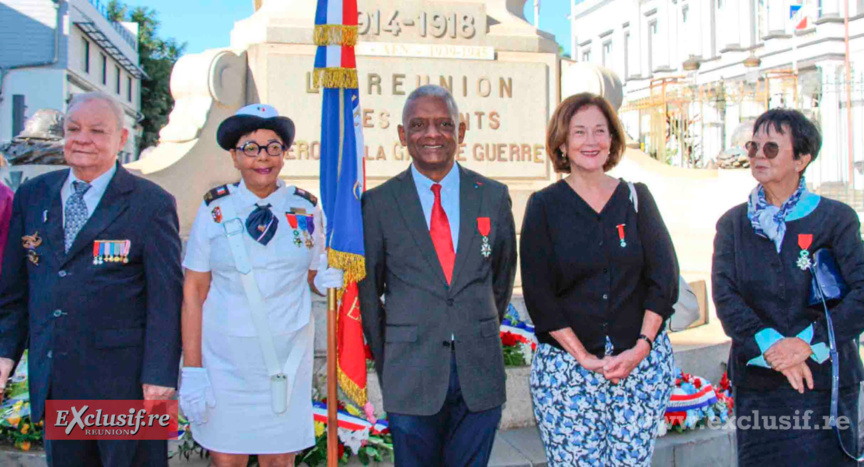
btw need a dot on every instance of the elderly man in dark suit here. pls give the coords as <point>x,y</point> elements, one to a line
<point>92,280</point>
<point>441,248</point>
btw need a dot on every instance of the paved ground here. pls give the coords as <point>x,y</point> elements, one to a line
<point>522,448</point>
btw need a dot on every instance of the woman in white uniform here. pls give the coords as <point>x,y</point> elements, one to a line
<point>226,390</point>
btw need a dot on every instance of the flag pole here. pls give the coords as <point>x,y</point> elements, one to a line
<point>332,396</point>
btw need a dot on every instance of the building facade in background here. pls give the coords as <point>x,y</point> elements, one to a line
<point>53,49</point>
<point>698,72</point>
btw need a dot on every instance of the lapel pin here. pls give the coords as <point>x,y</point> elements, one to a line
<point>44,216</point>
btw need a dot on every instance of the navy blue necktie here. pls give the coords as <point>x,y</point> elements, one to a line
<point>261,224</point>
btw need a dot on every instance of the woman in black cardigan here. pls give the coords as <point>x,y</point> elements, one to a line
<point>599,277</point>
<point>779,362</point>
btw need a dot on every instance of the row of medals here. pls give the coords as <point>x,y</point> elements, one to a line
<point>306,236</point>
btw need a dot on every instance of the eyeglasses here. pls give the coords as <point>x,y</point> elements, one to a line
<point>770,149</point>
<point>251,149</point>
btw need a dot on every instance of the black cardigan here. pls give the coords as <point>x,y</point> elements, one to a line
<point>755,288</point>
<point>577,274</point>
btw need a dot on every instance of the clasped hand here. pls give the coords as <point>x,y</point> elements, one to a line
<point>789,356</point>
<point>615,368</point>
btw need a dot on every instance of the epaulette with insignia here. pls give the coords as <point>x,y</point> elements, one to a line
<point>307,196</point>
<point>216,193</point>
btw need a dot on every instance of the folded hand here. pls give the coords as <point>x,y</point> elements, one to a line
<point>787,353</point>
<point>798,375</point>
<point>621,365</point>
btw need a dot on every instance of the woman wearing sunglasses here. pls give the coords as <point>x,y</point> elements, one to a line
<point>254,251</point>
<point>779,362</point>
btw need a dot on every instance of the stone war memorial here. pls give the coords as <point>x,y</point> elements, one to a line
<point>506,76</point>
<point>503,73</point>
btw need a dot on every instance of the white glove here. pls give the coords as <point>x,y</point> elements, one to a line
<point>327,277</point>
<point>196,394</point>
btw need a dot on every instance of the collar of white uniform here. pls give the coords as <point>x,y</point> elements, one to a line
<point>247,199</point>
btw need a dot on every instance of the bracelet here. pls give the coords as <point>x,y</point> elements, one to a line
<point>647,339</point>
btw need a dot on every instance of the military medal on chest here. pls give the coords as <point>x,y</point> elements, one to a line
<point>484,226</point>
<point>310,227</point>
<point>111,251</point>
<point>30,243</point>
<point>303,221</point>
<point>294,223</point>
<point>804,242</point>
<point>621,235</point>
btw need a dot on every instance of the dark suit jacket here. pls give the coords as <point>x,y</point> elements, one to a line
<point>95,331</point>
<point>410,335</point>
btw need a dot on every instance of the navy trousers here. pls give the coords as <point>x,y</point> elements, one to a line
<point>108,453</point>
<point>453,437</point>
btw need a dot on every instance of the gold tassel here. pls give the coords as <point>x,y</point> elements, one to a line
<point>351,389</point>
<point>335,34</point>
<point>335,78</point>
<point>354,266</point>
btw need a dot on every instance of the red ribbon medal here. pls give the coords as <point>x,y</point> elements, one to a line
<point>292,221</point>
<point>804,242</point>
<point>484,226</point>
<point>621,234</point>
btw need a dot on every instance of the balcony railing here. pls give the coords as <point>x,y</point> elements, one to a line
<point>124,33</point>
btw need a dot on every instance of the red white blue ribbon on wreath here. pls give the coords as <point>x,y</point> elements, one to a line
<point>346,420</point>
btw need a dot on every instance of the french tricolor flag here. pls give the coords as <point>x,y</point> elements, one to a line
<point>798,17</point>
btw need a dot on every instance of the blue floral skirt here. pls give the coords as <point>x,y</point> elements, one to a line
<point>586,420</point>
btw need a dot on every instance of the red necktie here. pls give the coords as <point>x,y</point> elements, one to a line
<point>439,229</point>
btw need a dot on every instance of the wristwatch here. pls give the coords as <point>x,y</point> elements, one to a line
<point>647,339</point>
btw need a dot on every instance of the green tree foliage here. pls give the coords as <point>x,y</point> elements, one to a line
<point>157,57</point>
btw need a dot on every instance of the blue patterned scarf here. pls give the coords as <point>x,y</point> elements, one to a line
<point>768,220</point>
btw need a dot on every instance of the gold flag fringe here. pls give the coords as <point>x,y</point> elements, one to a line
<point>353,265</point>
<point>335,34</point>
<point>345,78</point>
<point>351,389</point>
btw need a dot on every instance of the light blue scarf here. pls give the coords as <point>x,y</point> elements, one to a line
<point>769,221</point>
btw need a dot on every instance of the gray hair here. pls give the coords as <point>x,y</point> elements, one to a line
<point>431,90</point>
<point>116,108</point>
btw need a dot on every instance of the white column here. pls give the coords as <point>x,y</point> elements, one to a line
<point>537,14</point>
<point>709,32</point>
<point>660,41</point>
<point>573,30</point>
<point>673,19</point>
<point>746,21</point>
<point>778,13</point>
<point>834,8</point>
<point>732,20</point>
<point>830,166</point>
<point>638,43</point>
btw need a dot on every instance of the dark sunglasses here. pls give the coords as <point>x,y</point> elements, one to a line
<point>250,149</point>
<point>770,149</point>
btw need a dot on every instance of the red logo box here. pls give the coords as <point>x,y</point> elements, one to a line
<point>123,419</point>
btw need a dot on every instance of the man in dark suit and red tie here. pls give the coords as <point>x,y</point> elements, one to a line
<point>441,250</point>
<point>92,281</point>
